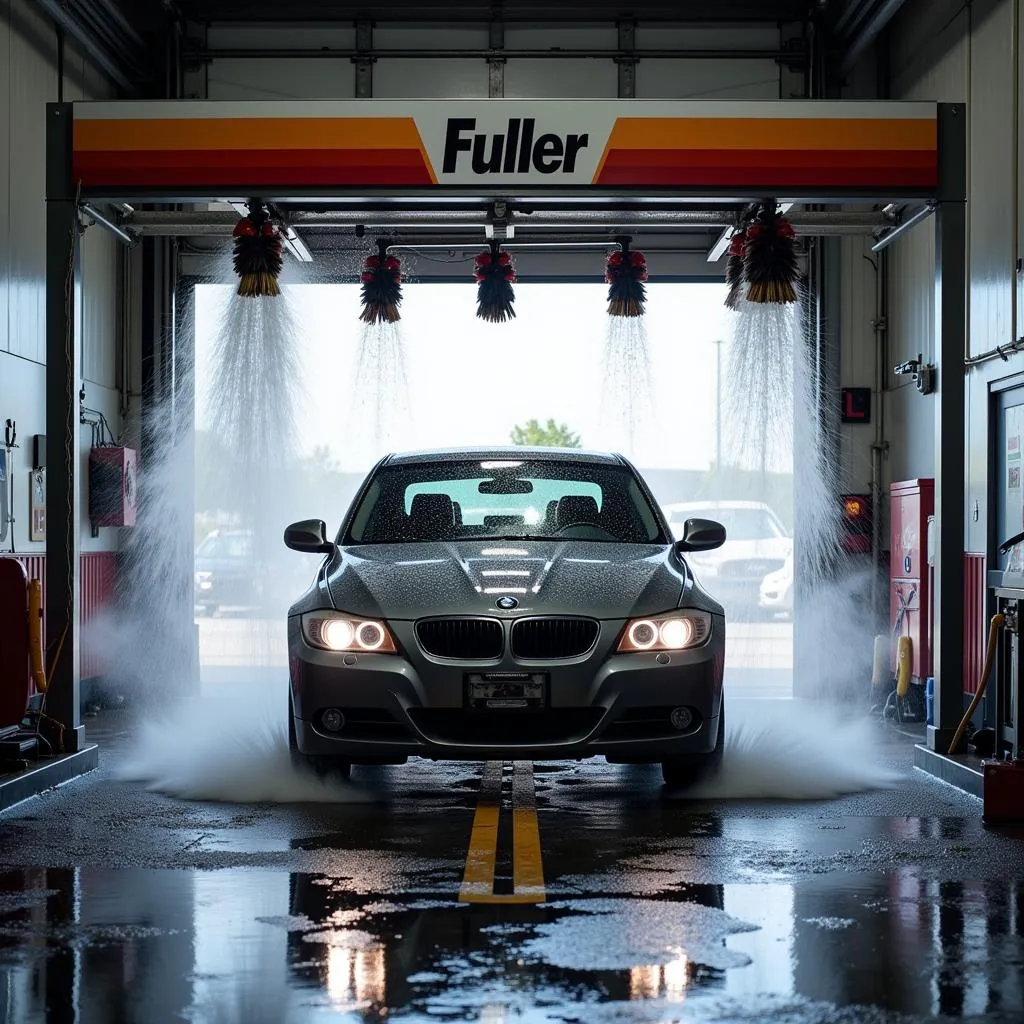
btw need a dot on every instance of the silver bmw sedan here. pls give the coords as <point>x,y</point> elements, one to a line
<point>513,603</point>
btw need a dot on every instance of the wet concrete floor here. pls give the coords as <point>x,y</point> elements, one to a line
<point>519,893</point>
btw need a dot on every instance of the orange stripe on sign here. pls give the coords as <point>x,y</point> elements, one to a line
<point>759,134</point>
<point>775,158</point>
<point>247,134</point>
<point>98,162</point>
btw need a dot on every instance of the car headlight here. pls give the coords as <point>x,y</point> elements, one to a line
<point>333,632</point>
<point>674,632</point>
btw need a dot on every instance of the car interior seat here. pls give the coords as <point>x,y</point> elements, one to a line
<point>577,508</point>
<point>432,517</point>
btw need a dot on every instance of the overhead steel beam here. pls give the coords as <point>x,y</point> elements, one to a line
<point>350,53</point>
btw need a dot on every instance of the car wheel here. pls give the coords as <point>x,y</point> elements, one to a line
<point>688,769</point>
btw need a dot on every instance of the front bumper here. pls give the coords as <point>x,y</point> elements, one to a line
<point>404,705</point>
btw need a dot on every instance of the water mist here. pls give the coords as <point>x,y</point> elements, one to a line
<point>771,396</point>
<point>380,397</point>
<point>227,738</point>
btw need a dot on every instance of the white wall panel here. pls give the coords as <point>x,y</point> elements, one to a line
<point>658,78</point>
<point>541,78</point>
<point>431,37</point>
<point>6,43</point>
<point>280,79</point>
<point>566,37</point>
<point>28,80</point>
<point>929,62</point>
<point>414,78</point>
<point>335,34</point>
<point>31,81</point>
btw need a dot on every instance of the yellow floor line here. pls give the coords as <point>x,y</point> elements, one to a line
<point>478,880</point>
<point>527,866</point>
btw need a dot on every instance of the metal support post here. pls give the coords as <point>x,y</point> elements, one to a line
<point>950,473</point>
<point>626,60</point>
<point>63,374</point>
<point>364,60</point>
<point>496,60</point>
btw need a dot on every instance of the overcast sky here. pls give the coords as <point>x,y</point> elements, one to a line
<point>469,382</point>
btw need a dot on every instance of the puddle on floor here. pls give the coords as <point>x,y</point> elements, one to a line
<point>250,945</point>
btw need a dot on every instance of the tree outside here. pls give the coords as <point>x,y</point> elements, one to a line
<point>547,435</point>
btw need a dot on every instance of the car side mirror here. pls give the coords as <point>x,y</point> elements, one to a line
<point>701,535</point>
<point>309,535</point>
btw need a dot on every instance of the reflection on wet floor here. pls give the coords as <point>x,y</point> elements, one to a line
<point>265,945</point>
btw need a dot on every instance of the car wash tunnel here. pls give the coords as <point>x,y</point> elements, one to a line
<point>511,511</point>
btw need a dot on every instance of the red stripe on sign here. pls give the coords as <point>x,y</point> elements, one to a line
<point>770,178</point>
<point>261,167</point>
<point>244,162</point>
<point>774,158</point>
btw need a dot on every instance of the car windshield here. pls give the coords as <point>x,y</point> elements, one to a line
<point>739,523</point>
<point>487,500</point>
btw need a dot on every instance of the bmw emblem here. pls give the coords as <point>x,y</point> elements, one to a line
<point>507,603</point>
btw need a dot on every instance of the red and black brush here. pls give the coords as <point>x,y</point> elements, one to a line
<point>495,274</point>
<point>382,287</point>
<point>769,263</point>
<point>734,268</point>
<point>257,256</point>
<point>625,270</point>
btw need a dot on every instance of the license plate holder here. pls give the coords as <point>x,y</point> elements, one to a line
<point>507,691</point>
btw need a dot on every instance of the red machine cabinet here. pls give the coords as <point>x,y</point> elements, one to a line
<point>112,486</point>
<point>910,596</point>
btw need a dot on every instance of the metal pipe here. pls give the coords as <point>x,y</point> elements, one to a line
<point>105,222</point>
<point>887,239</point>
<point>868,33</point>
<point>820,222</point>
<point>999,352</point>
<point>350,53</point>
<point>88,42</point>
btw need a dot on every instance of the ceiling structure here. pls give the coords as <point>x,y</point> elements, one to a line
<point>138,42</point>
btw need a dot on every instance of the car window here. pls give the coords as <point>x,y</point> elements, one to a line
<point>458,500</point>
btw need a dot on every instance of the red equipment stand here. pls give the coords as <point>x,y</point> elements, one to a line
<point>15,674</point>
<point>910,596</point>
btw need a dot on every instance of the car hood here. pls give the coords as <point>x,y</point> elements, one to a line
<point>409,581</point>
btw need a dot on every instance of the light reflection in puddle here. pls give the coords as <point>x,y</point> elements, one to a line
<point>661,981</point>
<point>356,978</point>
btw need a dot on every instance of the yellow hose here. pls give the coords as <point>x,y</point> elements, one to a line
<point>990,656</point>
<point>35,634</point>
<point>904,665</point>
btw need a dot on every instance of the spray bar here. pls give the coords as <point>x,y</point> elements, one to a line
<point>217,223</point>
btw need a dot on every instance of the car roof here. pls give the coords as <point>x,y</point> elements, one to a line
<point>504,453</point>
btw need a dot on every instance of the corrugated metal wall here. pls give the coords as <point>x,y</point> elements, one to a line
<point>975,626</point>
<point>28,80</point>
<point>97,573</point>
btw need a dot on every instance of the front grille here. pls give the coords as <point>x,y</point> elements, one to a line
<point>548,639</point>
<point>506,728</point>
<point>461,639</point>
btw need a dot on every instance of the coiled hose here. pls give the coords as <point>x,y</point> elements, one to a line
<point>997,623</point>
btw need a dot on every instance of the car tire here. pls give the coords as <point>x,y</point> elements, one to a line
<point>323,766</point>
<point>688,769</point>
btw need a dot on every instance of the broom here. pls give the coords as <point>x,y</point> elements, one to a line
<point>734,269</point>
